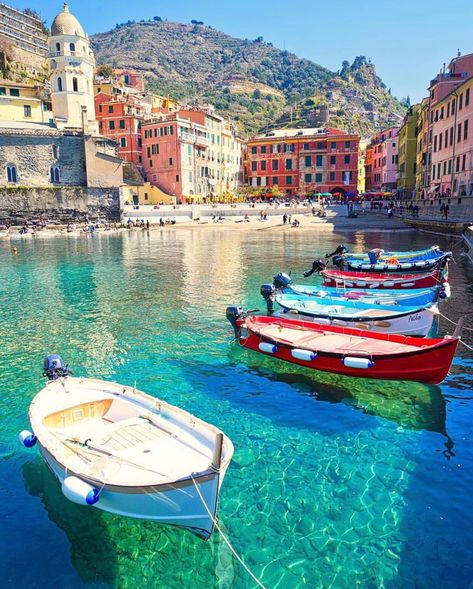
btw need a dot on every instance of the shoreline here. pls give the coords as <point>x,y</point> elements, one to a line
<point>334,222</point>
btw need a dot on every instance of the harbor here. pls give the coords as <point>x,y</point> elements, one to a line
<point>333,479</point>
<point>236,297</point>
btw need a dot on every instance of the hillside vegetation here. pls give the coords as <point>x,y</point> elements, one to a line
<point>251,82</point>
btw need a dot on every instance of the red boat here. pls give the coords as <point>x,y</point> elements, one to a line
<point>352,352</point>
<point>341,278</point>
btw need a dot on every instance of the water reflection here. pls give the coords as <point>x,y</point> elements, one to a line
<point>92,552</point>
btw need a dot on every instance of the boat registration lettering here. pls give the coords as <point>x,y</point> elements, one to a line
<point>416,317</point>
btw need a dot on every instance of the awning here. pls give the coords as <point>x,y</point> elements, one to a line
<point>434,189</point>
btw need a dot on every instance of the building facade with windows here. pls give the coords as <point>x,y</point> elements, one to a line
<point>383,161</point>
<point>193,155</point>
<point>23,30</point>
<point>407,153</point>
<point>120,118</point>
<point>451,122</point>
<point>66,150</point>
<point>24,102</point>
<point>303,161</point>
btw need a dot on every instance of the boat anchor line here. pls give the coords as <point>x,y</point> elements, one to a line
<point>224,537</point>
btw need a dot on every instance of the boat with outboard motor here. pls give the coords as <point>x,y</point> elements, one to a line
<point>429,260</point>
<point>341,350</point>
<point>414,321</point>
<point>126,452</point>
<point>337,278</point>
<point>282,282</point>
<point>428,252</point>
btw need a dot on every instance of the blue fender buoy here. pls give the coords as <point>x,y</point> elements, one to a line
<point>27,438</point>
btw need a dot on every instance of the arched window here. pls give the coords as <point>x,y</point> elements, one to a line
<point>75,86</point>
<point>59,84</point>
<point>72,47</point>
<point>12,175</point>
<point>54,172</point>
<point>58,47</point>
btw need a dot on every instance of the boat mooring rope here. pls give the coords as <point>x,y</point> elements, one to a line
<point>225,539</point>
<point>453,323</point>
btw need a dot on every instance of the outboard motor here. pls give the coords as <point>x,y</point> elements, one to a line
<point>54,367</point>
<point>338,262</point>
<point>281,280</point>
<point>317,266</point>
<point>268,292</point>
<point>233,314</point>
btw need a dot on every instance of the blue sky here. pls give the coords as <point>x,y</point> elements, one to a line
<point>408,40</point>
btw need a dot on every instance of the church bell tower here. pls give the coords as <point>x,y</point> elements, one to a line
<point>71,72</point>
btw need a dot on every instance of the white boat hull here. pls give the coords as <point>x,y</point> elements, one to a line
<point>416,324</point>
<point>123,451</point>
<point>176,505</point>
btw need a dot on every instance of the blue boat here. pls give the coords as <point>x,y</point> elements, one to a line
<point>417,297</point>
<point>406,320</point>
<point>390,262</point>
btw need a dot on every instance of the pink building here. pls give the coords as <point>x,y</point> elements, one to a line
<point>451,123</point>
<point>382,175</point>
<point>193,155</point>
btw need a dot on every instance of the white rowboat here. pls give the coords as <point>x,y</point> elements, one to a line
<point>129,453</point>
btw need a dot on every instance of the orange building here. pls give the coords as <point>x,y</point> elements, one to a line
<point>120,119</point>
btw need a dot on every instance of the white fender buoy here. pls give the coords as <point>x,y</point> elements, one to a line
<point>321,321</point>
<point>268,348</point>
<point>80,492</point>
<point>352,362</point>
<point>27,438</point>
<point>306,355</point>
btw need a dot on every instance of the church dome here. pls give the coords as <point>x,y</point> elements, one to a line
<point>66,23</point>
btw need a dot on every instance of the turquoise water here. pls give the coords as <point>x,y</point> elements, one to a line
<point>335,482</point>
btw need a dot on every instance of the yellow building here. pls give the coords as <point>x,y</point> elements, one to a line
<point>423,157</point>
<point>407,152</point>
<point>23,102</point>
<point>361,186</point>
<point>146,194</point>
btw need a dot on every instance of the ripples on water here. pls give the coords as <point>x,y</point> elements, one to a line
<point>335,482</point>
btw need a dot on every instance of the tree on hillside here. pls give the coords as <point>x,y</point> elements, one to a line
<point>157,18</point>
<point>105,70</point>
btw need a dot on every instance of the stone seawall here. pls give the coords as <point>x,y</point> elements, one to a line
<point>62,204</point>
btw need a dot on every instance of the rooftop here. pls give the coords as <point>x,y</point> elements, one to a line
<point>294,133</point>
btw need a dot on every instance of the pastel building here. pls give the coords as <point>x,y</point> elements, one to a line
<point>193,155</point>
<point>451,122</point>
<point>423,154</point>
<point>24,102</point>
<point>120,117</point>
<point>382,175</point>
<point>361,165</point>
<point>303,161</point>
<point>407,152</point>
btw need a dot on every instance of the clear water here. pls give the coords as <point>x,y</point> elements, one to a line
<point>335,482</point>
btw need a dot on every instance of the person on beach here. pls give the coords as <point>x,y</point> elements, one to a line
<point>284,219</point>
<point>374,255</point>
